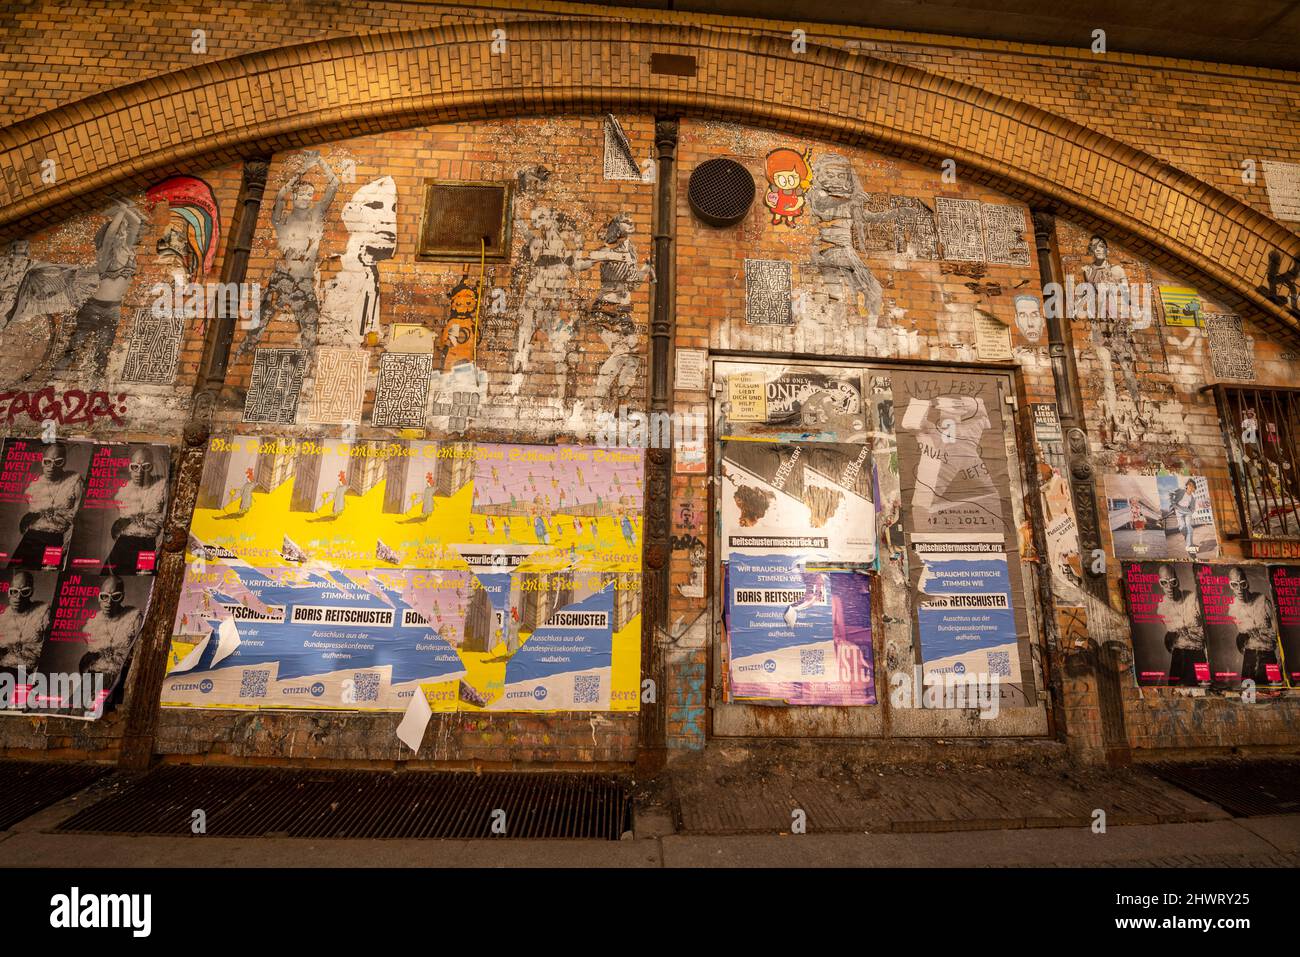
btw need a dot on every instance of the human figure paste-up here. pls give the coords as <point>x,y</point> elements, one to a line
<point>1112,334</point>
<point>351,299</point>
<point>838,204</point>
<point>52,502</point>
<point>1256,622</point>
<point>299,224</point>
<point>1184,635</point>
<point>94,326</point>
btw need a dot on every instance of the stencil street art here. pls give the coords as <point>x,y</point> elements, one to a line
<point>299,221</point>
<point>351,299</point>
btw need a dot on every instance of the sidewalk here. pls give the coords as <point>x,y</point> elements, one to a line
<point>1215,839</point>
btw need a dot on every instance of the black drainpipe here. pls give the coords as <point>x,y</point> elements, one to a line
<point>658,485</point>
<point>151,652</point>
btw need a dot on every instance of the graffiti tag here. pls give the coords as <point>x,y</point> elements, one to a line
<point>1282,280</point>
<point>71,407</point>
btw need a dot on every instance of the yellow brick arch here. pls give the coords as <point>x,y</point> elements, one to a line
<point>310,93</point>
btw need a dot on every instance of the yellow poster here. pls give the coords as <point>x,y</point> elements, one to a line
<point>325,574</point>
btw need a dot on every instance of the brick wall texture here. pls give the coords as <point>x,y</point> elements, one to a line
<point>1189,116</point>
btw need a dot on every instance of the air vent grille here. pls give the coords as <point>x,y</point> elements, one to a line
<point>720,192</point>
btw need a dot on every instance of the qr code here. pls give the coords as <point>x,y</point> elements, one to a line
<point>812,662</point>
<point>586,689</point>
<point>253,684</point>
<point>366,686</point>
<point>1000,663</point>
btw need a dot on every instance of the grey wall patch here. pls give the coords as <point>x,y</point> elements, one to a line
<point>155,347</point>
<point>767,293</point>
<point>274,385</point>
<point>914,230</point>
<point>1230,351</point>
<point>620,162</point>
<point>960,228</point>
<point>1283,183</point>
<point>402,393</point>
<point>1004,234</point>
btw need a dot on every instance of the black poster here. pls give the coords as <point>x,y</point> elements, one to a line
<point>1286,597</point>
<point>1240,625</point>
<point>1164,616</point>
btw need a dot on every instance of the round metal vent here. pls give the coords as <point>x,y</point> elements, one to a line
<point>720,192</point>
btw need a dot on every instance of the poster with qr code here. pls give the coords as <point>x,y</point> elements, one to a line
<point>797,632</point>
<point>358,574</point>
<point>965,620</point>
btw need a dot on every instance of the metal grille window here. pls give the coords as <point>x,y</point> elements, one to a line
<point>465,220</point>
<point>1261,427</point>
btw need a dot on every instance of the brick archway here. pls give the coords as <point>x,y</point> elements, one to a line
<point>310,93</point>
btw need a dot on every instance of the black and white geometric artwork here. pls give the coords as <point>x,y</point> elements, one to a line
<point>402,393</point>
<point>1230,352</point>
<point>914,230</point>
<point>155,347</point>
<point>620,163</point>
<point>1004,234</point>
<point>767,293</point>
<point>960,228</point>
<point>274,386</point>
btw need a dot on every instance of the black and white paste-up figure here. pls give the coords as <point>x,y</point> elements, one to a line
<point>97,318</point>
<point>351,299</point>
<point>550,245</point>
<point>611,311</point>
<point>1112,334</point>
<point>838,204</point>
<point>24,623</point>
<point>299,224</point>
<point>29,291</point>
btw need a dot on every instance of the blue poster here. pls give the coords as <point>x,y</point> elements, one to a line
<point>964,611</point>
<point>798,631</point>
<point>565,664</point>
<point>351,638</point>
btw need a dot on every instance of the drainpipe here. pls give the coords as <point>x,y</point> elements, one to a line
<point>654,592</point>
<point>1106,657</point>
<point>151,651</point>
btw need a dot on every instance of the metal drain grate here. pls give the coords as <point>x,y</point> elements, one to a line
<point>1245,788</point>
<point>257,802</point>
<point>28,786</point>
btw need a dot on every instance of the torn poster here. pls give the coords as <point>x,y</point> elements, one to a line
<point>963,607</point>
<point>811,499</point>
<point>798,632</point>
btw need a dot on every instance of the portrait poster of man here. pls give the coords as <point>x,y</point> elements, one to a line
<point>26,613</point>
<point>41,490</point>
<point>122,514</point>
<point>97,619</point>
<point>1285,581</point>
<point>1166,624</point>
<point>1240,625</point>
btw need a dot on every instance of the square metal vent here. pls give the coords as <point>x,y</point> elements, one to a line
<point>456,217</point>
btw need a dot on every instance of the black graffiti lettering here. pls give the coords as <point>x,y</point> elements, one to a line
<point>1282,280</point>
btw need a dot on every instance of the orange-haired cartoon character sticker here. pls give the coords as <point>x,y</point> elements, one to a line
<point>789,174</point>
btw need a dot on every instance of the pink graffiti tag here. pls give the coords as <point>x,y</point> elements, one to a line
<point>73,407</point>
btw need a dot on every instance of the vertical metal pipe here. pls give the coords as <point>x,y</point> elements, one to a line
<point>1069,399</point>
<point>151,651</point>
<point>654,595</point>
